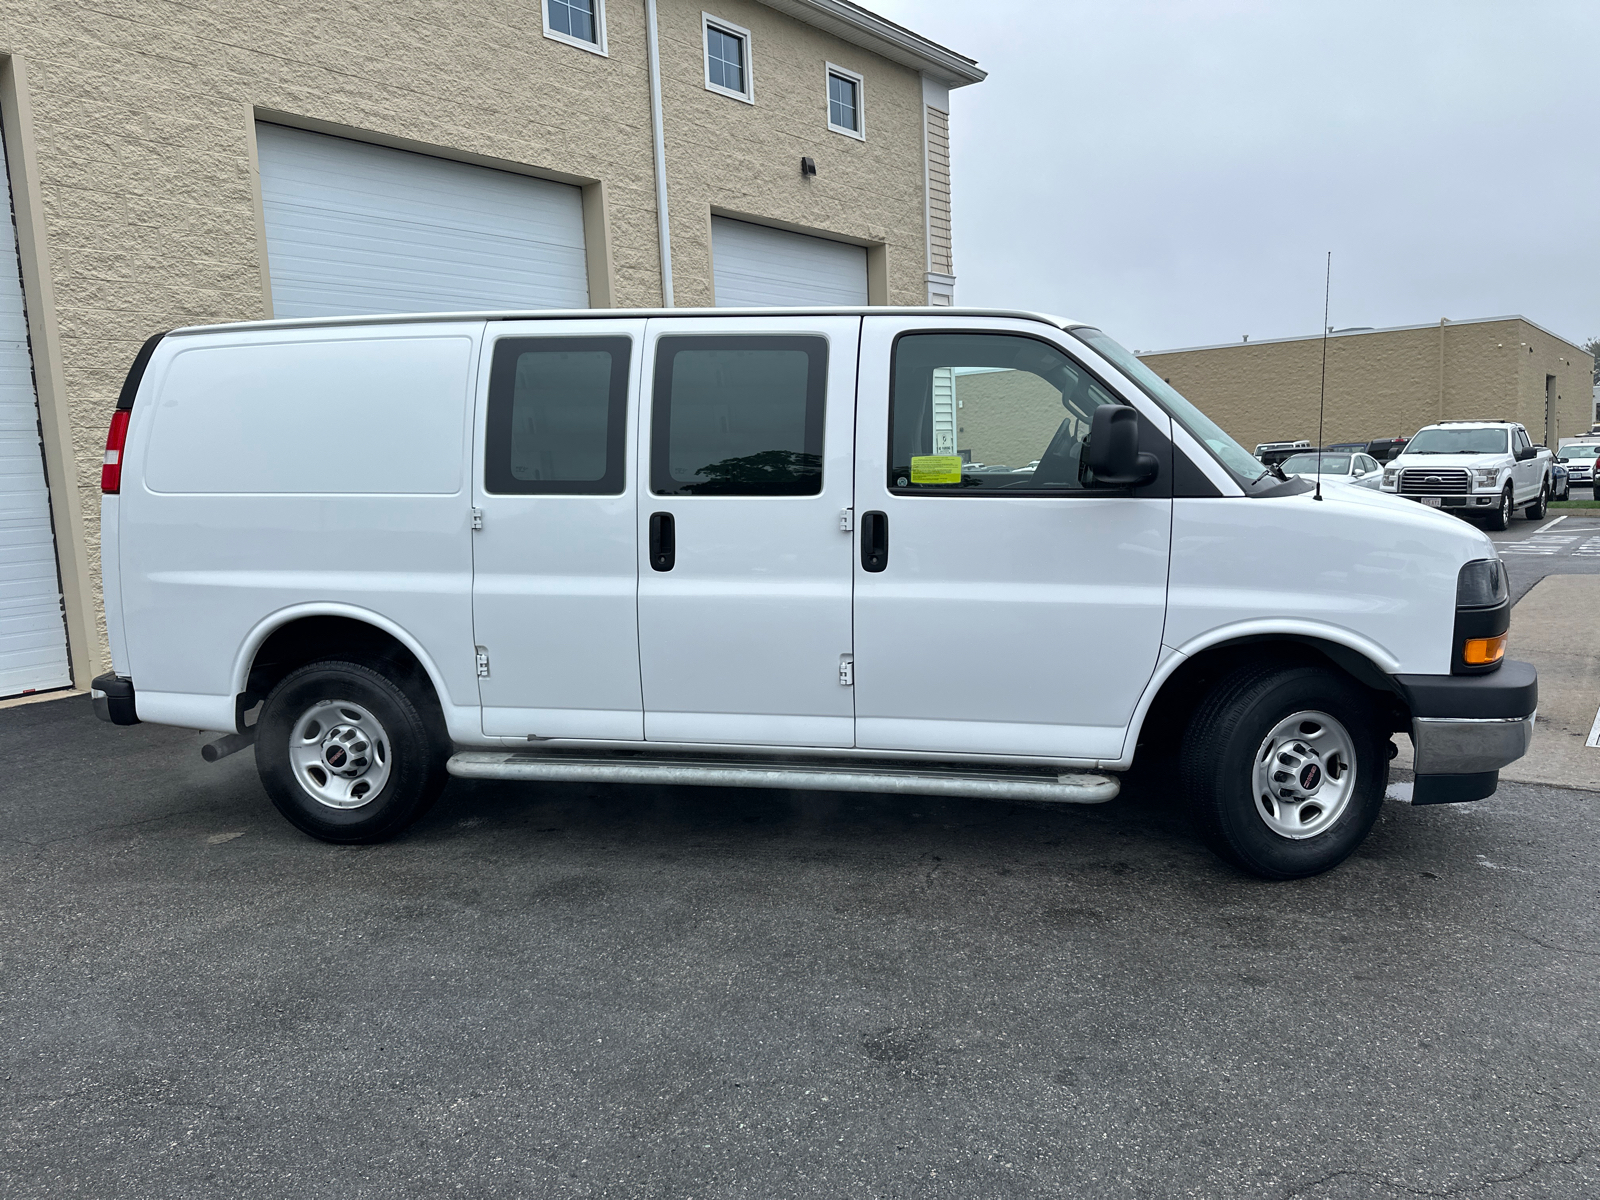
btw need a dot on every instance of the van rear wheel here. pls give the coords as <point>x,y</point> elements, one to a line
<point>345,754</point>
<point>1284,769</point>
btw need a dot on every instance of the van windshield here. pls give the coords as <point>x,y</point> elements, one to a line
<point>1458,441</point>
<point>1241,464</point>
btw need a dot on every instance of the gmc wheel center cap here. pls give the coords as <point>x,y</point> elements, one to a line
<point>1310,777</point>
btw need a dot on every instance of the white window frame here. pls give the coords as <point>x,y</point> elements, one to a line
<point>598,46</point>
<point>708,23</point>
<point>861,101</point>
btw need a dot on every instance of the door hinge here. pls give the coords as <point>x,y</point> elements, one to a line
<point>477,518</point>
<point>483,663</point>
<point>847,671</point>
<point>847,520</point>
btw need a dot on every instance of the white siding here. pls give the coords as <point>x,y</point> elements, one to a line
<point>33,632</point>
<point>355,228</point>
<point>759,267</point>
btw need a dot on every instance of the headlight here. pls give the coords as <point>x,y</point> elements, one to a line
<point>1390,474</point>
<point>1482,584</point>
<point>1485,477</point>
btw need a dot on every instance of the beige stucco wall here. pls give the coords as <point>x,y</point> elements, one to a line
<point>143,114</point>
<point>1385,384</point>
<point>1006,418</point>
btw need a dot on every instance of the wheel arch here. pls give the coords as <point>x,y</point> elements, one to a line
<point>302,633</point>
<point>1184,677</point>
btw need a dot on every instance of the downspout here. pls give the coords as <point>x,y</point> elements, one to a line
<point>662,222</point>
<point>1442,321</point>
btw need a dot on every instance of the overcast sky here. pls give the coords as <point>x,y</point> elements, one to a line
<point>1175,170</point>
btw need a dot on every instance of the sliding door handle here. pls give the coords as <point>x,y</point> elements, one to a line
<point>874,541</point>
<point>663,541</point>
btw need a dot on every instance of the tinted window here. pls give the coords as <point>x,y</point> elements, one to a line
<point>986,412</point>
<point>738,416</point>
<point>557,416</point>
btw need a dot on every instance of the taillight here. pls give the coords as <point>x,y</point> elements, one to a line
<point>111,472</point>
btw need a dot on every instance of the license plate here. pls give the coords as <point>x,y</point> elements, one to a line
<point>1433,501</point>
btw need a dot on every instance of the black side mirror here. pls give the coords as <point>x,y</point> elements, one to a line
<point>1526,453</point>
<point>1113,449</point>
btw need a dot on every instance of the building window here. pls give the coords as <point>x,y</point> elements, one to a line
<point>580,23</point>
<point>844,103</point>
<point>728,59</point>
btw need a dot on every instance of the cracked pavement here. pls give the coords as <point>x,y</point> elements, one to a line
<point>635,992</point>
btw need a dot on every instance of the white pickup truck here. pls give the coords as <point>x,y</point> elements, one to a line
<point>1475,468</point>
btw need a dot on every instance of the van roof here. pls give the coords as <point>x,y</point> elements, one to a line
<point>601,314</point>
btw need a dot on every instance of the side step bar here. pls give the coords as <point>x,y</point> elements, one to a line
<point>832,776</point>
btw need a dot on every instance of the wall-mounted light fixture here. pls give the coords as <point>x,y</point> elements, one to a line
<point>808,169</point>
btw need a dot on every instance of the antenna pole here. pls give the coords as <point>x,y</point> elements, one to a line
<point>1322,398</point>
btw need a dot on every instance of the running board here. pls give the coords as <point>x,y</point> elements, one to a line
<point>834,776</point>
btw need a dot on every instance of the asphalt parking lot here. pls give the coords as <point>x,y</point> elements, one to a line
<point>626,992</point>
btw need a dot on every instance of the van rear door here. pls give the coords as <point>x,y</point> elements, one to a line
<point>555,569</point>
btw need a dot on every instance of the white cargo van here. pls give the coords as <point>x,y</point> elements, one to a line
<point>758,548</point>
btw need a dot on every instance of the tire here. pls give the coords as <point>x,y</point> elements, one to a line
<point>346,754</point>
<point>1501,517</point>
<point>1248,735</point>
<point>1536,510</point>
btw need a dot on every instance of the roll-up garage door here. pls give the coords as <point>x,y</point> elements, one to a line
<point>759,267</point>
<point>33,633</point>
<point>356,228</point>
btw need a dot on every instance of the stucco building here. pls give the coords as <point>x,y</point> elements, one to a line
<point>172,164</point>
<point>1388,382</point>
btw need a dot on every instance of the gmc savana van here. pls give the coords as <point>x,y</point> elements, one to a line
<point>944,551</point>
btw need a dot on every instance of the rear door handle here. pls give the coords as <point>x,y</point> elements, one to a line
<point>663,541</point>
<point>874,541</point>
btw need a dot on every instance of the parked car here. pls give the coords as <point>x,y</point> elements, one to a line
<point>703,547</point>
<point>1578,456</point>
<point>1271,453</point>
<point>1484,469</point>
<point>1335,466</point>
<point>1387,449</point>
<point>1560,481</point>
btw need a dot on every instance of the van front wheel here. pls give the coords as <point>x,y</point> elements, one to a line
<point>1285,769</point>
<point>345,754</point>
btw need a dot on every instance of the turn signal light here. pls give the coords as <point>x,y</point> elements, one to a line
<point>1481,652</point>
<point>111,471</point>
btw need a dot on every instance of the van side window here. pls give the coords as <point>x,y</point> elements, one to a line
<point>738,416</point>
<point>557,416</point>
<point>985,412</point>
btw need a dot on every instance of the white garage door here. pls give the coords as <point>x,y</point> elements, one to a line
<point>354,228</point>
<point>33,633</point>
<point>758,267</point>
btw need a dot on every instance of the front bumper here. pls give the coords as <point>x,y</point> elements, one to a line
<point>1464,728</point>
<point>1486,501</point>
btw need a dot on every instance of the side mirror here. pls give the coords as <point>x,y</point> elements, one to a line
<point>1526,453</point>
<point>1562,460</point>
<point>1113,449</point>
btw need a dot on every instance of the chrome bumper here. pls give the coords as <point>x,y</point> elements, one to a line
<point>1469,745</point>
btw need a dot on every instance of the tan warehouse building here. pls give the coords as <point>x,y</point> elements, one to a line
<point>1389,382</point>
<point>213,161</point>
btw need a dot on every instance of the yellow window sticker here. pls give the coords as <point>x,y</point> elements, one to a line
<point>936,468</point>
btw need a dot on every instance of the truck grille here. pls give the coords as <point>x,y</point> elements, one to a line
<point>1434,481</point>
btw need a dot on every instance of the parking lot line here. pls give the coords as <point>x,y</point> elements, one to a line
<point>1548,524</point>
<point>1594,731</point>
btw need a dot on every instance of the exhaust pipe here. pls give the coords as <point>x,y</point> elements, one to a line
<point>228,744</point>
